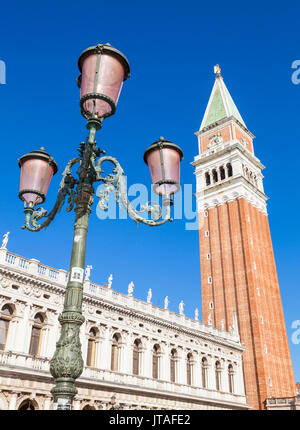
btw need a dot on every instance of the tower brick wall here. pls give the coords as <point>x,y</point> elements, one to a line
<point>243,279</point>
<point>238,271</point>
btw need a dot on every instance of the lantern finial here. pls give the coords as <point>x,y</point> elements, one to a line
<point>217,70</point>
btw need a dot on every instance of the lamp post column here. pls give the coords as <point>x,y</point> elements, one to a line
<point>67,363</point>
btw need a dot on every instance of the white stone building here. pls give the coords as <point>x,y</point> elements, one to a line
<point>149,357</point>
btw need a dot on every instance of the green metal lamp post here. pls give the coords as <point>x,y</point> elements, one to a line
<point>103,69</point>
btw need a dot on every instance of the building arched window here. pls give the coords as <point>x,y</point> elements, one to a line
<point>189,369</point>
<point>204,365</point>
<point>222,173</point>
<point>5,318</point>
<point>91,348</point>
<point>207,178</point>
<point>229,169</point>
<point>247,173</point>
<point>215,175</point>
<point>155,361</point>
<point>136,357</point>
<point>173,361</point>
<point>115,347</point>
<point>88,408</point>
<point>36,331</point>
<point>218,375</point>
<point>230,378</point>
<point>26,405</point>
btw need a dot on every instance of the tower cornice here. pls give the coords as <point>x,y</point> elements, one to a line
<point>223,121</point>
<point>227,147</point>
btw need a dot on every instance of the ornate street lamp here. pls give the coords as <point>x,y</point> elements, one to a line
<point>103,69</point>
<point>163,158</point>
<point>37,169</point>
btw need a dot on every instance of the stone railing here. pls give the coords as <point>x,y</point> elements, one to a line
<point>155,311</point>
<point>18,359</point>
<point>160,385</point>
<point>34,267</point>
<point>280,401</point>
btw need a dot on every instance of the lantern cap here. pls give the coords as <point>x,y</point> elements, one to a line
<point>40,154</point>
<point>163,143</point>
<point>106,49</point>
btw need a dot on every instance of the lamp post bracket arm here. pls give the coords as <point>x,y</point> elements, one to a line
<point>116,182</point>
<point>66,187</point>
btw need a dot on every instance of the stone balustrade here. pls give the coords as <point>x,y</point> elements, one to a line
<point>41,364</point>
<point>21,360</point>
<point>159,385</point>
<point>34,267</point>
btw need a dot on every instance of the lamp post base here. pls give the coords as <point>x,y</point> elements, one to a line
<point>62,404</point>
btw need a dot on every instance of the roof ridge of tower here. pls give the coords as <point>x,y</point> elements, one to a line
<point>220,104</point>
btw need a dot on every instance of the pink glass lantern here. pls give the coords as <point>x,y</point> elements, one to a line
<point>163,158</point>
<point>102,72</point>
<point>37,169</point>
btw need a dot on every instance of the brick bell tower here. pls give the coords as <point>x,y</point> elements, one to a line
<point>238,274</point>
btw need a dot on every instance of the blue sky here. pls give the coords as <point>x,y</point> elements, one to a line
<point>172,47</point>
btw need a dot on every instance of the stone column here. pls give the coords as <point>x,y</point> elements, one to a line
<point>2,255</point>
<point>53,335</point>
<point>126,360</point>
<point>45,341</point>
<point>33,265</point>
<point>238,379</point>
<point>100,353</point>
<point>165,361</point>
<point>143,362</point>
<point>47,403</point>
<point>260,184</point>
<point>193,371</point>
<point>121,356</point>
<point>224,378</point>
<point>76,405</point>
<point>160,365</point>
<point>200,179</point>
<point>130,353</point>
<point>210,372</point>
<point>13,401</point>
<point>27,337</point>
<point>148,360</point>
<point>22,329</point>
<point>10,342</point>
<point>107,343</point>
<point>181,374</point>
<point>62,276</point>
<point>237,167</point>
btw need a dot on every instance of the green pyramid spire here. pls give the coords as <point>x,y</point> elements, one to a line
<point>220,104</point>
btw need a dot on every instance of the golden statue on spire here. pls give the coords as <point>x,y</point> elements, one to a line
<point>217,70</point>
